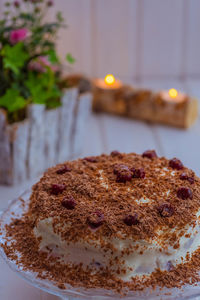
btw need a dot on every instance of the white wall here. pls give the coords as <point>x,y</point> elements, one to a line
<point>134,39</point>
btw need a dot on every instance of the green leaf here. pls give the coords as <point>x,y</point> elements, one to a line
<point>53,103</point>
<point>43,89</point>
<point>27,16</point>
<point>53,58</point>
<point>12,100</point>
<point>2,23</point>
<point>10,65</point>
<point>59,17</point>
<point>54,92</point>
<point>35,84</point>
<point>46,28</point>
<point>70,59</point>
<point>14,57</point>
<point>4,29</point>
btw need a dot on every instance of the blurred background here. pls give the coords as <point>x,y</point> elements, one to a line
<point>133,39</point>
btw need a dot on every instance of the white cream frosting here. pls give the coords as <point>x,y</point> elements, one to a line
<point>141,261</point>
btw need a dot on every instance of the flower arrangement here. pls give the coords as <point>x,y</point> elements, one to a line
<point>30,69</point>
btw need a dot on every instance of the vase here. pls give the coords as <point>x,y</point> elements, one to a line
<point>46,137</point>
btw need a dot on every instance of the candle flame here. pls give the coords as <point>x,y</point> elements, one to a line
<point>173,93</point>
<point>109,79</point>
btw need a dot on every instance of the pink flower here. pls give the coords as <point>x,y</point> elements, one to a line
<point>36,66</point>
<point>16,4</point>
<point>40,65</point>
<point>18,35</point>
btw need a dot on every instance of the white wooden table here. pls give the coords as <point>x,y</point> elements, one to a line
<point>106,133</point>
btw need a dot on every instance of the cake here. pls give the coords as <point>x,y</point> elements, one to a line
<point>126,213</point>
<point>114,221</point>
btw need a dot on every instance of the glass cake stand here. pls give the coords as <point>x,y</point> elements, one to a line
<point>17,208</point>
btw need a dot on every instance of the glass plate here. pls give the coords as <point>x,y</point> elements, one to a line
<point>16,209</point>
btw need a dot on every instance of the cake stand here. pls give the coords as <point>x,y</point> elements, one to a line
<point>17,208</point>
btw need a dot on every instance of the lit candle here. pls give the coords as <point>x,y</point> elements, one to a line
<point>108,83</point>
<point>173,96</point>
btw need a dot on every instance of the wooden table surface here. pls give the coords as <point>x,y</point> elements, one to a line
<point>106,133</point>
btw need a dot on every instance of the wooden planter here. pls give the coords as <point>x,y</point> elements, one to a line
<point>45,138</point>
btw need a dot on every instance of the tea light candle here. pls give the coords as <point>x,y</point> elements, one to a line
<point>108,83</point>
<point>173,96</point>
<point>107,94</point>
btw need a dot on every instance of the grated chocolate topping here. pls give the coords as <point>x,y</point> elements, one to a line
<point>108,183</point>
